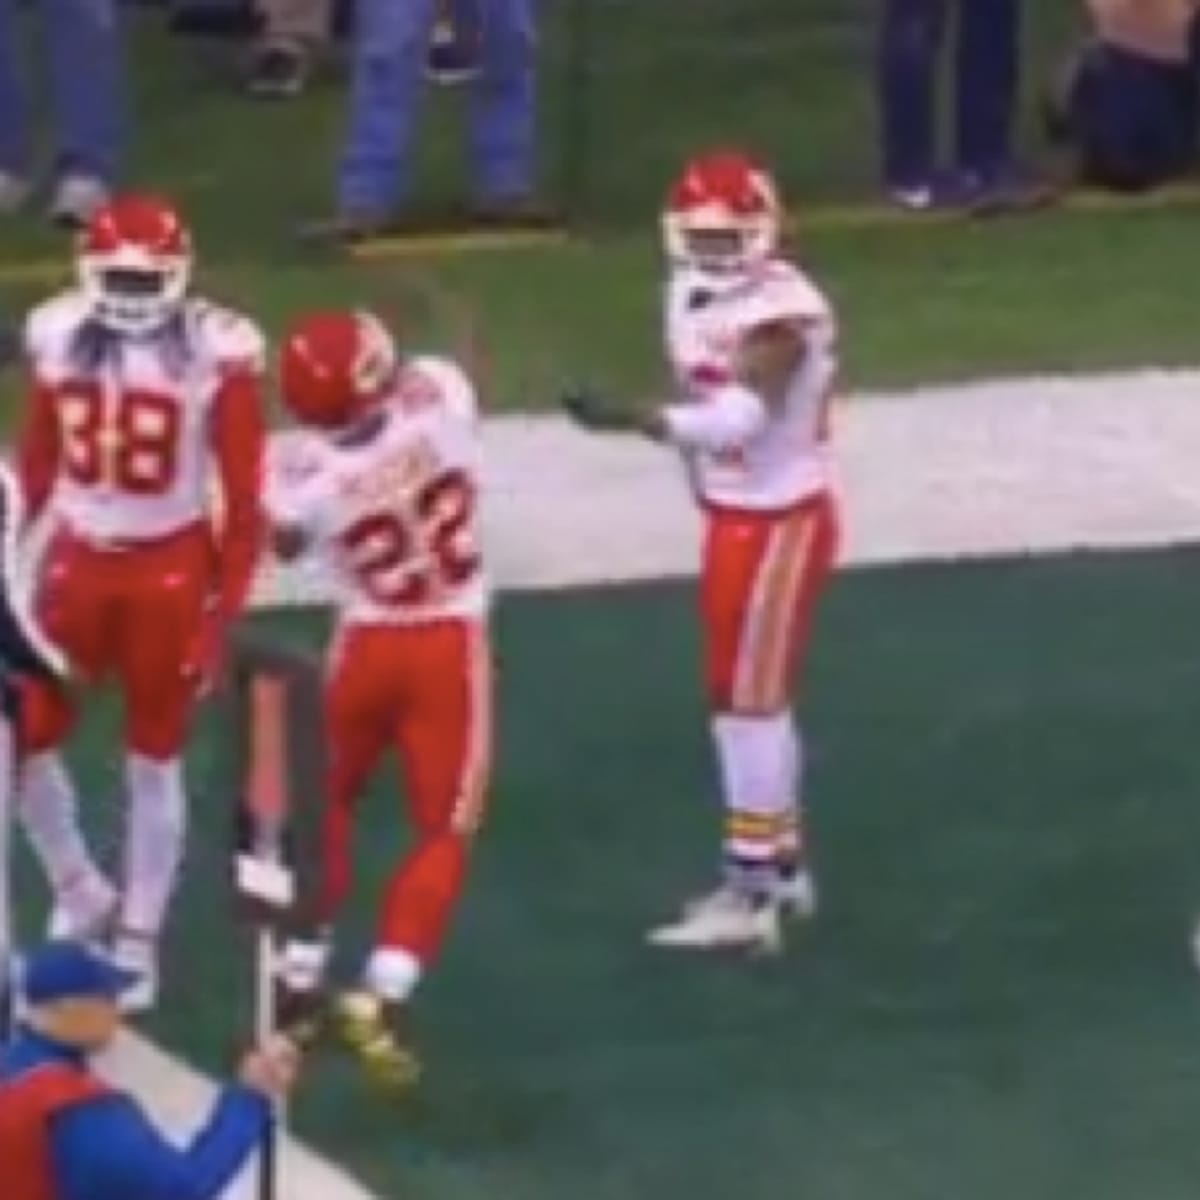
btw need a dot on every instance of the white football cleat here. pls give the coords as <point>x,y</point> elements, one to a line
<point>797,895</point>
<point>138,955</point>
<point>724,919</point>
<point>85,914</point>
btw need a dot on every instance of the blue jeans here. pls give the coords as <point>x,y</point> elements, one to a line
<point>391,44</point>
<point>986,54</point>
<point>83,38</point>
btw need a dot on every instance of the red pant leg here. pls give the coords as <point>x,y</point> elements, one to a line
<point>445,743</point>
<point>76,608</point>
<point>165,589</point>
<point>362,702</point>
<point>763,574</point>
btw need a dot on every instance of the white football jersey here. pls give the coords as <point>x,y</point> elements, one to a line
<point>134,414</point>
<point>396,517</point>
<point>706,319</point>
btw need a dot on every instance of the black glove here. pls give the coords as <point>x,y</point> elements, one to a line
<point>600,413</point>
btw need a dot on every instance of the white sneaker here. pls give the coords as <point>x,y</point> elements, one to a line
<point>85,914</point>
<point>723,919</point>
<point>14,191</point>
<point>132,952</point>
<point>797,896</point>
<point>77,198</point>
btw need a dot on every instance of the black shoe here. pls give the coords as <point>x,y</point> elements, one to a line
<point>451,62</point>
<point>278,73</point>
<point>514,212</point>
<point>301,1016</point>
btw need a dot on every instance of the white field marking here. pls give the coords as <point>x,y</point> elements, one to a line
<point>1027,465</point>
<point>1033,465</point>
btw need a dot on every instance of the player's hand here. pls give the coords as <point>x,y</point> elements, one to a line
<point>272,1068</point>
<point>600,413</point>
<point>206,657</point>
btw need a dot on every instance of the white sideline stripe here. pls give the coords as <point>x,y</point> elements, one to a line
<point>1029,465</point>
<point>1017,466</point>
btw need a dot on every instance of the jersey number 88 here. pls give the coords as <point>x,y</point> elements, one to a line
<point>128,440</point>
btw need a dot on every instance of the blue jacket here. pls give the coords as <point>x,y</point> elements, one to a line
<point>107,1149</point>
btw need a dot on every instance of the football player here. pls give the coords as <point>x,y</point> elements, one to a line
<point>389,496</point>
<point>753,346</point>
<point>141,397</point>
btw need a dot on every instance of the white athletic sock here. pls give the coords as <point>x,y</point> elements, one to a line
<point>758,758</point>
<point>791,833</point>
<point>49,812</point>
<point>393,975</point>
<point>156,821</point>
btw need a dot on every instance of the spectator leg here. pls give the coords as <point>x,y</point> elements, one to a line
<point>911,36</point>
<point>504,103</point>
<point>390,46</point>
<point>14,115</point>
<point>84,38</point>
<point>988,63</point>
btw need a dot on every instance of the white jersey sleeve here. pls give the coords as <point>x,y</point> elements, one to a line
<point>443,383</point>
<point>226,340</point>
<point>297,487</point>
<point>780,293</point>
<point>51,330</point>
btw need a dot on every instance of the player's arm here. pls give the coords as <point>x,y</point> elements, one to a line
<point>729,415</point>
<point>769,356</point>
<point>295,496</point>
<point>238,439</point>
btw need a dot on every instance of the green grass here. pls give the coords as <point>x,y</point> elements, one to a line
<point>921,300</point>
<point>996,1001</point>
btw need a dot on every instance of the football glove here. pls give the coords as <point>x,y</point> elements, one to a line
<point>600,413</point>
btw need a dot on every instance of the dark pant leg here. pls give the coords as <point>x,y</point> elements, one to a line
<point>910,38</point>
<point>1135,119</point>
<point>988,67</point>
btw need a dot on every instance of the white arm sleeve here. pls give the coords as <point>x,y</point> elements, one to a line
<point>727,419</point>
<point>295,490</point>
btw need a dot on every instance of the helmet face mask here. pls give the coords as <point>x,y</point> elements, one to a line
<point>723,215</point>
<point>134,301</point>
<point>135,265</point>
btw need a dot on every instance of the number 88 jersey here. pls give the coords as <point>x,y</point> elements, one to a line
<point>134,417</point>
<point>396,517</point>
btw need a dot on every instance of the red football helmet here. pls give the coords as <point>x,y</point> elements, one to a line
<point>723,214</point>
<point>334,366</point>
<point>134,262</point>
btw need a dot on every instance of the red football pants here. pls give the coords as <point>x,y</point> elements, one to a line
<point>763,574</point>
<point>426,692</point>
<point>126,615</point>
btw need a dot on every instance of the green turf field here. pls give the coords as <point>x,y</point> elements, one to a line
<point>922,299</point>
<point>997,1000</point>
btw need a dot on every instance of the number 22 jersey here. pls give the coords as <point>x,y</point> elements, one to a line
<point>396,517</point>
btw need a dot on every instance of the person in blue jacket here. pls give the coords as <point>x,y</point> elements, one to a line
<point>67,1135</point>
